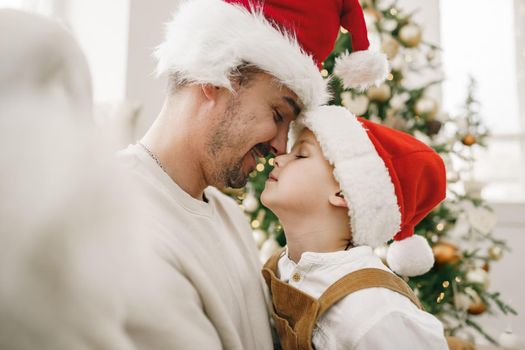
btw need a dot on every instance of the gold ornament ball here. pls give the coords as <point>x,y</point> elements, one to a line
<point>477,308</point>
<point>410,35</point>
<point>390,47</point>
<point>370,11</point>
<point>379,93</point>
<point>426,107</point>
<point>446,253</point>
<point>495,253</point>
<point>468,140</point>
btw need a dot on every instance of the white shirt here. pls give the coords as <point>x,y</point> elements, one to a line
<point>373,318</point>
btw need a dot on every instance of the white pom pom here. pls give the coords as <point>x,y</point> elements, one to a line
<point>411,256</point>
<point>361,69</point>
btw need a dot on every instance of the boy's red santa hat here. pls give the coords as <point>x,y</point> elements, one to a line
<point>207,40</point>
<point>389,179</point>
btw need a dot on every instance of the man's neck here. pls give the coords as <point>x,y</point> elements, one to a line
<point>178,154</point>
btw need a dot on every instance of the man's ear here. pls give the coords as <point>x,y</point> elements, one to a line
<point>337,200</point>
<point>209,91</point>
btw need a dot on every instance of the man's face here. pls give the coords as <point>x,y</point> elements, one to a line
<point>252,123</point>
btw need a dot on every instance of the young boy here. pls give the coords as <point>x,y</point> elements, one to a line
<point>349,185</point>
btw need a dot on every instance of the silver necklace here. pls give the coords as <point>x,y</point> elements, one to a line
<point>152,155</point>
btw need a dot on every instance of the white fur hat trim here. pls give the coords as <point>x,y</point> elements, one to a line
<point>208,39</point>
<point>411,256</point>
<point>361,69</point>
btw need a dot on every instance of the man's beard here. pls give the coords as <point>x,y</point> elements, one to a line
<point>234,176</point>
<point>227,174</point>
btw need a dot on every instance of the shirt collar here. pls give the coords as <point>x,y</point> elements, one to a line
<point>310,259</point>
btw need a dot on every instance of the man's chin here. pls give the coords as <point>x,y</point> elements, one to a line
<point>237,178</point>
<point>237,183</point>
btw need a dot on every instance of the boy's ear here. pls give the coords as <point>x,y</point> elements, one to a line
<point>337,200</point>
<point>210,91</point>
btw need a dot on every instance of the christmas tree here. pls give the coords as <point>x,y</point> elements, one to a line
<point>456,289</point>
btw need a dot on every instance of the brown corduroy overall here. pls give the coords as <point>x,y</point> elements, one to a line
<point>295,313</point>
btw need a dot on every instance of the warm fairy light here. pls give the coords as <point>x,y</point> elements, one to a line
<point>256,224</point>
<point>446,284</point>
<point>324,73</point>
<point>271,161</point>
<point>458,279</point>
<point>440,226</point>
<point>344,31</point>
<point>390,76</point>
<point>393,11</point>
<point>440,297</point>
<point>259,167</point>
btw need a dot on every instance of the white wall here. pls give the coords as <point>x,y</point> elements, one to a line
<point>146,31</point>
<point>508,275</point>
<point>101,28</point>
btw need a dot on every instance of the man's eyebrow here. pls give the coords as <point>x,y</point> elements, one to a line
<point>295,107</point>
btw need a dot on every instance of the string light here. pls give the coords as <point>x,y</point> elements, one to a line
<point>440,297</point>
<point>390,76</point>
<point>393,11</point>
<point>271,161</point>
<point>256,223</point>
<point>344,31</point>
<point>446,284</point>
<point>440,226</point>
<point>324,73</point>
<point>260,167</point>
<point>458,279</point>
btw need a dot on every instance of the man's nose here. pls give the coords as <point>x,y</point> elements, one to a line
<point>278,144</point>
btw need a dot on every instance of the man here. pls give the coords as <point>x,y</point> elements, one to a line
<point>229,101</point>
<point>236,82</point>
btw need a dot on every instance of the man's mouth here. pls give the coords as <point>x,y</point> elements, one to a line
<point>262,150</point>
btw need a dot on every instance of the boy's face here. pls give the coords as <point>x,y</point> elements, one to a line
<point>302,180</point>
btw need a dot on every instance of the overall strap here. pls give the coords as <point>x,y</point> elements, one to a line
<point>362,279</point>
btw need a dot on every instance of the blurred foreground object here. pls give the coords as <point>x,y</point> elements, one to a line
<point>71,253</point>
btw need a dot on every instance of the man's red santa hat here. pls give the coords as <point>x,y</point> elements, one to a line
<point>389,179</point>
<point>316,24</point>
<point>207,40</point>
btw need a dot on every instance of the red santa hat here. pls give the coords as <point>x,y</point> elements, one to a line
<point>316,24</point>
<point>390,180</point>
<point>207,40</point>
<point>289,39</point>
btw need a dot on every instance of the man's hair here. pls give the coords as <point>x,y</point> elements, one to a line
<point>241,77</point>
